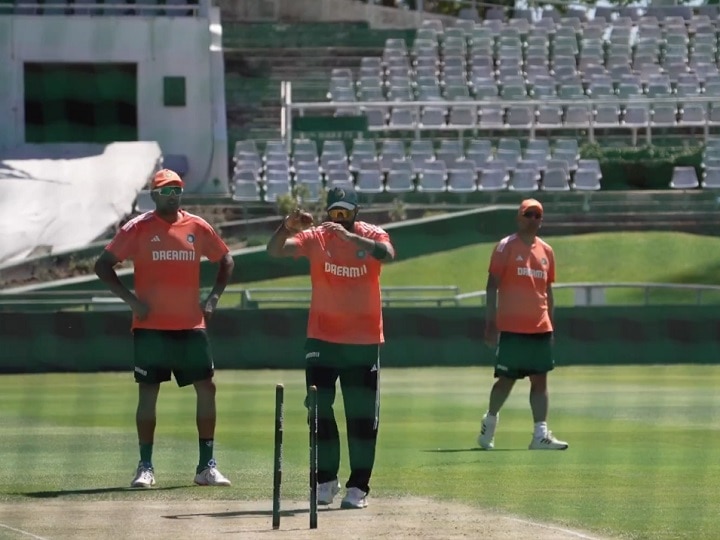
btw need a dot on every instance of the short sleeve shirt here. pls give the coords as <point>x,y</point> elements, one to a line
<point>166,258</point>
<point>524,273</point>
<point>346,306</point>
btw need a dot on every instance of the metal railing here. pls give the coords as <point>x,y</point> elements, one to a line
<point>584,294</point>
<point>438,296</point>
<point>589,294</point>
<point>112,8</point>
<point>290,109</point>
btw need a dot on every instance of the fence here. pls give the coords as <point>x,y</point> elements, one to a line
<point>115,8</point>
<point>582,294</point>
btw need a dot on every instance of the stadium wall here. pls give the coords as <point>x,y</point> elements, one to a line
<point>259,339</point>
<point>159,46</point>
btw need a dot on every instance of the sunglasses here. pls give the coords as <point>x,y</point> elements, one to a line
<point>166,191</point>
<point>340,214</point>
<point>532,215</point>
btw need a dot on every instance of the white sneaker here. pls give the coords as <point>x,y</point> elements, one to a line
<point>144,477</point>
<point>210,476</point>
<point>548,442</point>
<point>326,491</point>
<point>354,498</point>
<point>486,439</point>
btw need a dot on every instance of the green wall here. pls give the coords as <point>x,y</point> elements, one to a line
<point>96,341</point>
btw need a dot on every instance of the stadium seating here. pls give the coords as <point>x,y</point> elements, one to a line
<point>684,178</point>
<point>421,165</point>
<point>496,62</point>
<point>443,106</point>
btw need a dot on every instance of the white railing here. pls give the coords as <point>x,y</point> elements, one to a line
<point>408,296</point>
<point>593,294</point>
<point>290,109</point>
<point>584,294</point>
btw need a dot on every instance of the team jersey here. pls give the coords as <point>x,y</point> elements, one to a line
<point>523,273</point>
<point>345,306</point>
<point>166,257</point>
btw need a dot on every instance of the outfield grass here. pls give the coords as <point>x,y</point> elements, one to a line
<point>656,257</point>
<point>642,461</point>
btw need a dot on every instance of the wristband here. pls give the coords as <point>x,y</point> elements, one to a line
<point>379,251</point>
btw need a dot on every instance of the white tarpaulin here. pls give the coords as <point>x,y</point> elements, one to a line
<point>64,196</point>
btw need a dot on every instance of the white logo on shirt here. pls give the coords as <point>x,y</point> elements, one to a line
<point>529,272</point>
<point>155,238</point>
<point>345,271</point>
<point>173,255</point>
<point>518,258</point>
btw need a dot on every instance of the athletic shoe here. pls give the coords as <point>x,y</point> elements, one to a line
<point>548,442</point>
<point>210,476</point>
<point>144,476</point>
<point>354,498</point>
<point>326,491</point>
<point>486,439</point>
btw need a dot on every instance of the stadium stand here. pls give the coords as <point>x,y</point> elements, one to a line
<point>450,99</point>
<point>259,56</point>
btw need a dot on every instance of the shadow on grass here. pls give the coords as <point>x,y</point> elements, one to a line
<point>238,513</point>
<point>242,513</point>
<point>95,491</point>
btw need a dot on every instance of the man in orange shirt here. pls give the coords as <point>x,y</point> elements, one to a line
<point>520,308</point>
<point>168,324</point>
<point>344,333</point>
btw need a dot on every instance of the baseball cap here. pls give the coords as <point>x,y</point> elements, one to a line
<point>527,204</point>
<point>342,198</point>
<point>166,177</point>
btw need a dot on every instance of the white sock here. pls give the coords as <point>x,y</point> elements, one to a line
<point>540,429</point>
<point>491,418</point>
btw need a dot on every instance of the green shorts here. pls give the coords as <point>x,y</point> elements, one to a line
<point>520,355</point>
<point>184,353</point>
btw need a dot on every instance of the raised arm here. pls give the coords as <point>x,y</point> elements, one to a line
<point>282,244</point>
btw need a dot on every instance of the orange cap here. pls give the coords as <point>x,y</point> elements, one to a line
<point>166,177</point>
<point>527,204</point>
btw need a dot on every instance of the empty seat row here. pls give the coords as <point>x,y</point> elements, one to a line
<point>431,181</point>
<point>307,158</point>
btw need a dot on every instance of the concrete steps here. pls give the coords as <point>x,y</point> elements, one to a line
<point>259,56</point>
<point>253,83</point>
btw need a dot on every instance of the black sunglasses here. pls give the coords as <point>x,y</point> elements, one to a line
<point>532,214</point>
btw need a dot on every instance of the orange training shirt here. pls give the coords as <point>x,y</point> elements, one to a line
<point>345,305</point>
<point>523,273</point>
<point>167,266</point>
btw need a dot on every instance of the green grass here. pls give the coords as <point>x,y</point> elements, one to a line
<point>657,257</point>
<point>642,461</point>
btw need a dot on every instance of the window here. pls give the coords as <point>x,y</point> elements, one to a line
<point>174,91</point>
